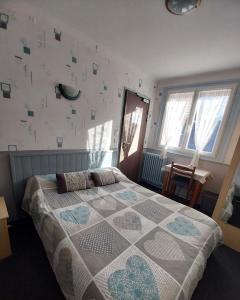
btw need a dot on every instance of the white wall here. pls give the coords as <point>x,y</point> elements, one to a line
<point>33,118</point>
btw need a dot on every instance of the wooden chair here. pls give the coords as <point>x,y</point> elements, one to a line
<point>180,175</point>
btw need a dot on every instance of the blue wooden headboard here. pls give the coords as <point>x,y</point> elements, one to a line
<point>27,163</point>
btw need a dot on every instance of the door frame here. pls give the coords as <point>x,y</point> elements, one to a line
<point>126,89</point>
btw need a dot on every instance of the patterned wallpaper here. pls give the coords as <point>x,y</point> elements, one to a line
<point>36,55</point>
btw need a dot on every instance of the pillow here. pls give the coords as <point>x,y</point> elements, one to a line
<point>104,177</point>
<point>89,178</point>
<point>73,181</point>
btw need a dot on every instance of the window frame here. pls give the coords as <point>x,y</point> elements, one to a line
<point>187,132</point>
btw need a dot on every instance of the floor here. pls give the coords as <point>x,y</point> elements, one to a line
<point>27,275</point>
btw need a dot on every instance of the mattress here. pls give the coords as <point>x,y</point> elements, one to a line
<point>120,241</point>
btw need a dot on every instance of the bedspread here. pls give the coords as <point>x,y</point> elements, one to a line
<point>120,241</point>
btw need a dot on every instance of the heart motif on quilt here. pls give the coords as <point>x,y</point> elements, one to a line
<point>134,282</point>
<point>164,247</point>
<point>129,221</point>
<point>78,215</point>
<point>64,271</point>
<point>183,226</point>
<point>105,204</point>
<point>128,196</point>
<point>99,241</point>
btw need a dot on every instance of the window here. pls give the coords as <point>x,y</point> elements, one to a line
<point>193,119</point>
<point>177,113</point>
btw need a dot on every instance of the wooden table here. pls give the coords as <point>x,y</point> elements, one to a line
<point>200,178</point>
<point>5,248</point>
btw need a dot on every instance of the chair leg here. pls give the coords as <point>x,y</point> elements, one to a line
<point>189,196</point>
<point>174,188</point>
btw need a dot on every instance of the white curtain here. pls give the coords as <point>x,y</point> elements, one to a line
<point>176,113</point>
<point>209,111</point>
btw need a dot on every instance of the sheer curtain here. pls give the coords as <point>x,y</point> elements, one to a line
<point>176,114</point>
<point>209,111</point>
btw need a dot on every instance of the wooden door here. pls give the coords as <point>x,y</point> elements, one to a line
<point>132,134</point>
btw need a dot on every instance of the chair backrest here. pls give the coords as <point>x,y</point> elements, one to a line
<point>181,170</point>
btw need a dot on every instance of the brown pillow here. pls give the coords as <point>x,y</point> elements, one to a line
<point>104,178</point>
<point>73,181</point>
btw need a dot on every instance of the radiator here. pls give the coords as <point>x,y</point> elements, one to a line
<point>151,169</point>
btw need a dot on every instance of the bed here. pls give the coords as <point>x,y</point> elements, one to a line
<point>120,241</point>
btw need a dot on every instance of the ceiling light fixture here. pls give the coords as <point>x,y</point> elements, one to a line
<point>182,7</point>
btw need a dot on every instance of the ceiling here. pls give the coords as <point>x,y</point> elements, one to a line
<point>157,42</point>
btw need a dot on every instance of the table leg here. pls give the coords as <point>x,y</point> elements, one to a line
<point>196,192</point>
<point>165,181</point>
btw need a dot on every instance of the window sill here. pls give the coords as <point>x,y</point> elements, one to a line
<point>190,153</point>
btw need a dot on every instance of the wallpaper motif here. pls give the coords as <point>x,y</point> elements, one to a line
<point>35,56</point>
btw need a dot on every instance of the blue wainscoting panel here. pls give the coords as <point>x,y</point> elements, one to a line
<point>25,164</point>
